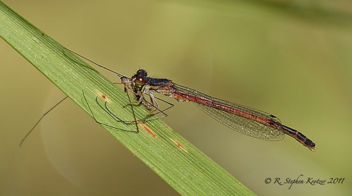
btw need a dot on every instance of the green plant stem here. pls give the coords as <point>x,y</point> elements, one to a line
<point>169,155</point>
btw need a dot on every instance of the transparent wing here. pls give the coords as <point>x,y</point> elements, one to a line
<point>233,121</point>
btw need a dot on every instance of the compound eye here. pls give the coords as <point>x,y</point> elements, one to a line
<point>140,80</point>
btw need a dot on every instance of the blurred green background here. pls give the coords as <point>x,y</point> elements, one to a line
<point>290,58</point>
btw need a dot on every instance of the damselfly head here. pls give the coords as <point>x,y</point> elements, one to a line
<point>140,77</point>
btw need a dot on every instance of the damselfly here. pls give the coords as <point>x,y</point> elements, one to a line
<point>243,119</point>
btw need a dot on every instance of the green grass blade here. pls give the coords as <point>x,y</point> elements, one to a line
<point>169,155</point>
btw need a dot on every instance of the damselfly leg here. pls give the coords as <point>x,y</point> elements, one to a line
<point>112,115</point>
